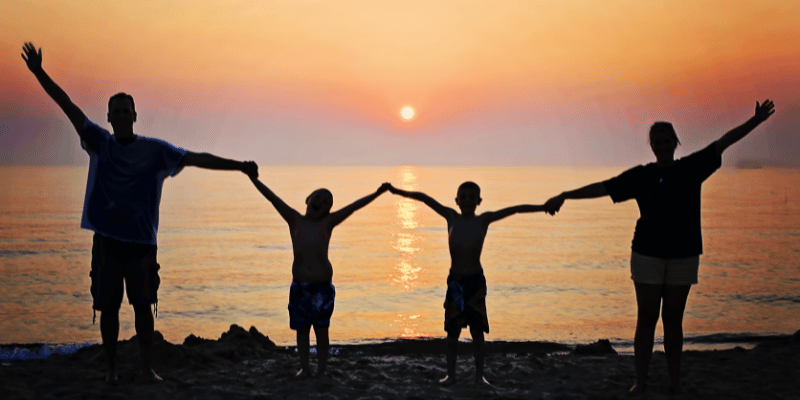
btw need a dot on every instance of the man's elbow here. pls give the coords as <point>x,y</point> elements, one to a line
<point>191,159</point>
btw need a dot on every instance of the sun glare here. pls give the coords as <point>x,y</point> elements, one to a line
<point>407,113</point>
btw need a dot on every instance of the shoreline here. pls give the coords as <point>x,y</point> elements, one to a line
<point>245,364</point>
<point>20,352</point>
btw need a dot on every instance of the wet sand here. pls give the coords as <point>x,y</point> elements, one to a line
<point>247,365</point>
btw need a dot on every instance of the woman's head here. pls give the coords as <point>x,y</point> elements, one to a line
<point>319,203</point>
<point>663,141</point>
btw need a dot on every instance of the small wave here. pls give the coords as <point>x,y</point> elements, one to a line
<point>279,247</point>
<point>723,338</point>
<point>766,298</point>
<point>22,253</point>
<point>10,353</point>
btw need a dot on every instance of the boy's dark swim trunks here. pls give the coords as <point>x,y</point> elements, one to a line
<point>465,303</point>
<point>310,303</point>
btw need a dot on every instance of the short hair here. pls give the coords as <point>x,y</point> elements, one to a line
<point>665,127</point>
<point>320,190</point>
<point>124,96</point>
<point>469,185</point>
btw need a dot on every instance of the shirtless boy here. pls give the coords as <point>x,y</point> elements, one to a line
<point>465,302</point>
<point>311,294</point>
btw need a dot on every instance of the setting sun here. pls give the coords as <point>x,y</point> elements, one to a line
<point>407,113</point>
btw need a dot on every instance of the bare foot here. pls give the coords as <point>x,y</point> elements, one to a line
<point>112,377</point>
<point>149,377</point>
<point>637,388</point>
<point>154,377</point>
<point>304,373</point>
<point>447,381</point>
<point>480,380</point>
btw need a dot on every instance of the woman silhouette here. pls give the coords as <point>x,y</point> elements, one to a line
<point>667,242</point>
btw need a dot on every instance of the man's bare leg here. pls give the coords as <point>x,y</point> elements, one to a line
<point>323,346</point>
<point>452,352</point>
<point>145,326</point>
<point>303,347</point>
<point>109,331</point>
<point>480,354</point>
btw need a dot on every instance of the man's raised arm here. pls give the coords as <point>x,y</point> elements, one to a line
<point>33,59</point>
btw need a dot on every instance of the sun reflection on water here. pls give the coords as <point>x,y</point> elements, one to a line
<point>408,326</point>
<point>405,240</point>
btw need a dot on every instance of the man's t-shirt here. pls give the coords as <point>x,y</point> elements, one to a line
<point>669,203</point>
<point>123,190</point>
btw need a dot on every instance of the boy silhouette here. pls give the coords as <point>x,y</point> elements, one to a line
<point>311,295</point>
<point>465,301</point>
<point>123,193</point>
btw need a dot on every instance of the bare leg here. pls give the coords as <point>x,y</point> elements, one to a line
<point>144,332</point>
<point>480,354</point>
<point>303,346</point>
<point>648,300</point>
<point>672,316</point>
<point>452,352</point>
<point>109,330</point>
<point>323,346</point>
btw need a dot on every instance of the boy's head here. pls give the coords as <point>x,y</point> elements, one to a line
<point>468,196</point>
<point>121,110</point>
<point>319,203</point>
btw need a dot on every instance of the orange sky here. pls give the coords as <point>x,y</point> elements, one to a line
<point>323,82</point>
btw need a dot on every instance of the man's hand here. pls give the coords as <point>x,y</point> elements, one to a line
<point>764,110</point>
<point>554,205</point>
<point>251,169</point>
<point>384,187</point>
<point>32,58</point>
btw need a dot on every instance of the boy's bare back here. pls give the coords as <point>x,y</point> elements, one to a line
<point>310,240</point>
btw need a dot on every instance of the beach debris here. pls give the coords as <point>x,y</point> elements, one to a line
<point>602,346</point>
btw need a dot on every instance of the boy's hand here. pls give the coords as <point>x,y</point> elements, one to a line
<point>32,58</point>
<point>392,189</point>
<point>384,187</point>
<point>554,205</point>
<point>250,168</point>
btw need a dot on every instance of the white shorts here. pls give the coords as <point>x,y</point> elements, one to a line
<point>659,271</point>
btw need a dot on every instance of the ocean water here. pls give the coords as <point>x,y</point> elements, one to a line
<point>226,256</point>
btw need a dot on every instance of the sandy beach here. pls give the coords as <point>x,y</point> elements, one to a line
<point>245,364</point>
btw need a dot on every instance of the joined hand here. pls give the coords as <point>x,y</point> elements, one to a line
<point>251,169</point>
<point>553,205</point>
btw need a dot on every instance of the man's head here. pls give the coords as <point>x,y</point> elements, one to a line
<point>121,111</point>
<point>319,203</point>
<point>468,196</point>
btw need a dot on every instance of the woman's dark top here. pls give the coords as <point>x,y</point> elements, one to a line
<point>669,203</point>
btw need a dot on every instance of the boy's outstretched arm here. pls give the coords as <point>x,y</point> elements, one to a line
<point>339,216</point>
<point>763,111</point>
<point>493,216</point>
<point>289,214</point>
<point>445,212</point>
<point>591,191</point>
<point>33,59</point>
